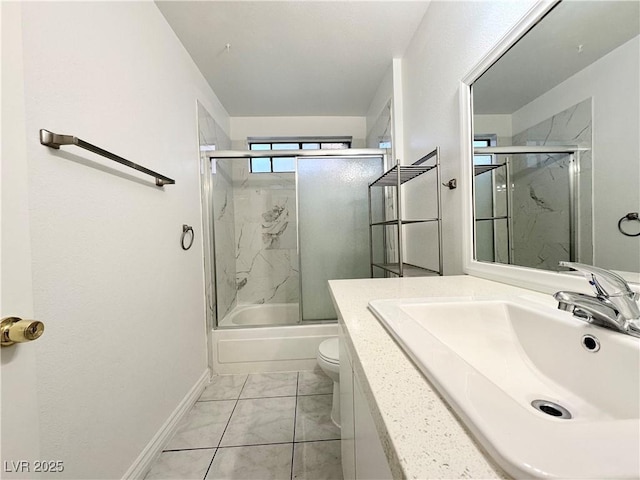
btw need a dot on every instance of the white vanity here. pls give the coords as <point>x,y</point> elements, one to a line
<point>397,425</point>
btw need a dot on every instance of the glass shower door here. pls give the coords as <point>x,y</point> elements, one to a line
<point>333,226</point>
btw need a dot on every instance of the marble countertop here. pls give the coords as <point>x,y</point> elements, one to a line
<point>421,435</point>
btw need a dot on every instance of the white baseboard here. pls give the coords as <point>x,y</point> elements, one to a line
<point>150,453</point>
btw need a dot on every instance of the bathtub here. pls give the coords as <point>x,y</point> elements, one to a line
<point>261,341</point>
<point>264,314</point>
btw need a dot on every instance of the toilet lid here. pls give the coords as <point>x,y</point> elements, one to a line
<point>329,350</point>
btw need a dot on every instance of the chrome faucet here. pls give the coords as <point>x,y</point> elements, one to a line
<point>614,305</point>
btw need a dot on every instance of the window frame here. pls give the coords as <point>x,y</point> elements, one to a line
<point>302,143</point>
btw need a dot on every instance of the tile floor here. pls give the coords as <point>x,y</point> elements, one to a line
<point>256,427</point>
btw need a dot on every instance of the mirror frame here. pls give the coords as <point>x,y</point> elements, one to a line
<point>545,281</point>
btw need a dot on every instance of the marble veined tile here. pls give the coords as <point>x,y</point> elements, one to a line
<point>224,232</point>
<point>275,221</point>
<point>313,419</point>
<point>314,382</point>
<point>183,464</point>
<point>317,461</point>
<point>268,278</point>
<point>224,387</point>
<point>261,385</point>
<point>540,209</point>
<point>261,421</point>
<point>265,239</point>
<point>263,462</point>
<point>203,426</point>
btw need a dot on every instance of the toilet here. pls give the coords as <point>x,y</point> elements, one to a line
<point>328,360</point>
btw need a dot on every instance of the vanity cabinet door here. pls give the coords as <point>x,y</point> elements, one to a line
<point>363,457</point>
<point>346,413</point>
<point>371,461</point>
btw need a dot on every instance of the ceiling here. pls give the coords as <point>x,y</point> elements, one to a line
<point>550,53</point>
<point>294,58</point>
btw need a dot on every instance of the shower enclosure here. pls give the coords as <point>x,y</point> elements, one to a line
<point>531,205</point>
<point>275,238</point>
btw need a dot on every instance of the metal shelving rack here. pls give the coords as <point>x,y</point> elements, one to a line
<point>396,177</point>
<point>479,170</point>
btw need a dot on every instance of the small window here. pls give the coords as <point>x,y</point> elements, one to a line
<point>260,146</point>
<point>334,146</point>
<point>261,165</point>
<point>288,164</point>
<point>479,142</point>
<point>285,146</point>
<point>284,164</point>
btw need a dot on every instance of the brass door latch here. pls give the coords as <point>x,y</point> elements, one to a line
<point>15,330</point>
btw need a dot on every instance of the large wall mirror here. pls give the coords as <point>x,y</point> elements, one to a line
<point>556,147</point>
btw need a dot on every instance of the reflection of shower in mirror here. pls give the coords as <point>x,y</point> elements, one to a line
<point>561,207</point>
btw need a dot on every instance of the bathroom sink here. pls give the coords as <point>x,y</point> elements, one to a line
<point>547,395</point>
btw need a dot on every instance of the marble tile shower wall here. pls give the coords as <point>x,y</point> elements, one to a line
<point>211,138</point>
<point>265,236</point>
<point>540,195</point>
<point>211,135</point>
<point>225,237</point>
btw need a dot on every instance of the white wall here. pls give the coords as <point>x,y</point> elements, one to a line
<point>243,127</point>
<point>499,125</point>
<point>123,304</point>
<point>612,82</point>
<point>451,39</point>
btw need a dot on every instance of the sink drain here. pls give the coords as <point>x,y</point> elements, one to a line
<point>590,343</point>
<point>551,408</point>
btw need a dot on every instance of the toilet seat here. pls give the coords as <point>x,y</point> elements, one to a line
<point>329,351</point>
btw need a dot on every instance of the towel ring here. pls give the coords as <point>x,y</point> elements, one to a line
<point>186,229</point>
<point>627,218</point>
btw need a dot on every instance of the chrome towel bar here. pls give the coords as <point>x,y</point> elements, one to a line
<point>54,140</point>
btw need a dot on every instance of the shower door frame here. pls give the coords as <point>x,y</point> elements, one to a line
<point>211,268</point>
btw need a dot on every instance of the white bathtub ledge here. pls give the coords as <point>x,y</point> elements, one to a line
<point>421,435</point>
<point>269,349</point>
